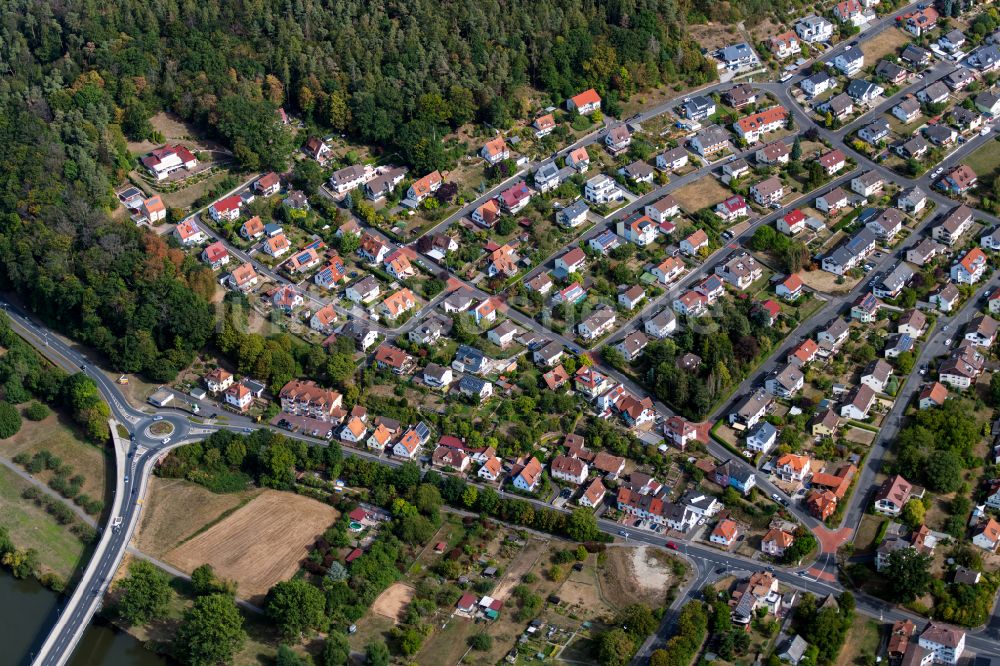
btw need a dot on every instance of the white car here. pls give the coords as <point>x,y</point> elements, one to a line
<point>984,131</point>
<point>947,343</point>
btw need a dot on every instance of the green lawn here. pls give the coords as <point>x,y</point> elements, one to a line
<point>30,527</point>
<point>986,160</point>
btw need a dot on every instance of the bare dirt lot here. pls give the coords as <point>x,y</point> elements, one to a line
<point>176,509</point>
<point>888,41</point>
<point>174,130</point>
<point>825,282</point>
<point>706,191</point>
<point>260,544</point>
<point>392,603</point>
<point>631,575</point>
<point>714,36</point>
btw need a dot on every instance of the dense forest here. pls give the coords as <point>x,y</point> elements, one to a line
<point>391,73</point>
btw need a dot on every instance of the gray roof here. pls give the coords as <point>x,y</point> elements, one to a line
<point>859,88</point>
<point>547,171</point>
<point>575,208</point>
<point>736,52</point>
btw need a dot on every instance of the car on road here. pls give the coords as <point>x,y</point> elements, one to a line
<point>784,502</point>
<point>721,570</point>
<point>126,478</point>
<point>945,327</point>
<point>157,418</point>
<point>776,497</point>
<point>166,440</point>
<point>947,343</point>
<point>923,371</point>
<point>984,131</point>
<point>671,545</point>
<point>623,533</point>
<point>937,172</point>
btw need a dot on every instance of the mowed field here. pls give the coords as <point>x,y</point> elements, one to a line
<point>31,527</point>
<point>705,191</point>
<point>57,436</point>
<point>175,510</point>
<point>260,544</point>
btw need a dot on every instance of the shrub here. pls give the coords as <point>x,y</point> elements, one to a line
<point>36,411</point>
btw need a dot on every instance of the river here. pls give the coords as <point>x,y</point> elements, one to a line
<point>27,609</point>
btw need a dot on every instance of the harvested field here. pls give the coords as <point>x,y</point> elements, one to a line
<point>632,575</point>
<point>259,544</point>
<point>176,509</point>
<point>706,191</point>
<point>393,602</point>
<point>825,282</point>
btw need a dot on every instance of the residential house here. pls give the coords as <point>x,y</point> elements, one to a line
<point>698,107</point>
<point>578,159</point>
<point>920,21</point>
<point>527,474</point>
<point>515,198</point>
<point>850,62</point>
<point>832,161</point>
<point>672,160</point>
<point>475,387</point>
<point>867,184</point>
<point>792,467</point>
<point>814,29</point>
<point>817,84</point>
<point>932,395</point>
<point>438,376</point>
<point>661,325</point>
<point>751,128</point>
<point>958,180</point>
<point>959,79</point>
<point>945,643</point>
<point>911,322</point>
<point>865,308</point>
<point>859,402</point>
<point>487,214</point>
<point>790,288</point>
<point>324,319</point>
<point>776,542</point>
<point>824,424</point>
<point>504,334</point>
<point>850,254</point>
<point>544,125</point>
<point>218,380</point>
<point>731,209</point>
<point>585,103</point>
<point>569,469</point>
<point>631,297</point>
<point>890,72</point>
<point>725,533</point>
<point>547,177</point>
<point>768,192</point>
<point>601,189</point>
<point>851,11</point>
<point>940,135</point>
<point>638,228</point>
<point>786,382</point>
<point>737,56</point>
<point>956,223</point>
<point>876,375</point>
<point>762,437</point>
<point>833,201</point>
<point>364,291</point>
<point>162,162</point>
<point>945,298</point>
<point>740,270</point>
<point>573,215</point>
<point>495,151</point>
<point>397,303</point>
<point>744,94</point>
<point>912,200</point>
<point>803,354</point>
<point>384,183</point>
<point>989,103</point>
<point>970,269</point>
<point>618,139</point>
<point>907,110</point>
<point>423,187</point>
<point>389,357</point>
<point>709,141</point>
<point>893,494</point>
<point>695,242</point>
<point>875,132</point>
<point>915,56</point>
<point>751,410</point>
<point>982,331</point>
<point>598,323</point>
<point>784,45</point>
<point>306,398</point>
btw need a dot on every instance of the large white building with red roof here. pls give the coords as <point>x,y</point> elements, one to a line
<point>166,160</point>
